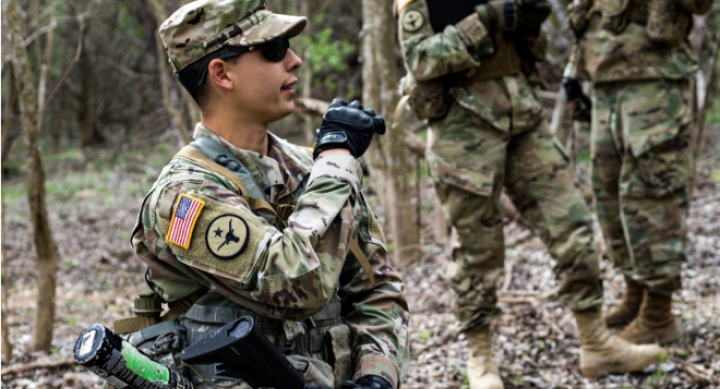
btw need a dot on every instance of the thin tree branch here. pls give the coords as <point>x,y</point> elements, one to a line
<point>65,75</point>
<point>57,86</point>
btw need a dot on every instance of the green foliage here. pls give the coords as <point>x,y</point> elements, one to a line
<point>656,380</point>
<point>715,175</point>
<point>583,156</point>
<point>466,381</point>
<point>325,53</point>
<point>517,379</point>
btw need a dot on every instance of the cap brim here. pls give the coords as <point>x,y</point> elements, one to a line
<point>273,26</point>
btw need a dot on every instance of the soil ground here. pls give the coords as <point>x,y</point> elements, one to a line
<point>93,204</point>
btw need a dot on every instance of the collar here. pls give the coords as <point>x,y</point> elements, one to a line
<point>279,173</point>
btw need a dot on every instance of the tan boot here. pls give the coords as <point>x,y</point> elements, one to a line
<point>625,312</point>
<point>601,351</point>
<point>655,323</point>
<point>482,369</point>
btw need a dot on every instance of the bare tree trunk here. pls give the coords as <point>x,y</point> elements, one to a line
<point>305,71</point>
<point>7,115</point>
<point>172,110</point>
<point>400,191</point>
<point>371,99</point>
<point>86,106</point>
<point>47,253</point>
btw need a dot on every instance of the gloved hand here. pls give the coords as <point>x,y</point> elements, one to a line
<point>531,14</point>
<point>347,126</point>
<point>367,382</point>
<point>579,104</point>
<point>498,15</point>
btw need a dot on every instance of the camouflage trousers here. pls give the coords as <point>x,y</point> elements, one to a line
<point>641,168</point>
<point>494,137</point>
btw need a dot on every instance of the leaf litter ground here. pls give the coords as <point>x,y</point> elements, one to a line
<point>535,339</point>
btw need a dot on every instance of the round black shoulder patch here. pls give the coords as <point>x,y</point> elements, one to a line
<point>413,20</point>
<point>227,236</point>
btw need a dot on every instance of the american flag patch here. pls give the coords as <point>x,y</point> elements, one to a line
<point>183,221</point>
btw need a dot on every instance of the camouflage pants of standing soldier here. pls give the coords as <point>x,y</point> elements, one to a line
<point>493,137</point>
<point>641,168</point>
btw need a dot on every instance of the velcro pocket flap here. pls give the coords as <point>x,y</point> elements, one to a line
<point>645,130</point>
<point>478,181</point>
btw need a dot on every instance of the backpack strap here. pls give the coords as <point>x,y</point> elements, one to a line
<point>197,157</point>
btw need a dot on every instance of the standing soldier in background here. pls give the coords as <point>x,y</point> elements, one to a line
<point>242,222</point>
<point>643,111</point>
<point>468,70</point>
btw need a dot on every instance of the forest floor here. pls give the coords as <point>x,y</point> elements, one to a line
<point>93,206</point>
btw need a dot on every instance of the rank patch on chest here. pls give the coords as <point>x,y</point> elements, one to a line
<point>185,215</point>
<point>226,236</point>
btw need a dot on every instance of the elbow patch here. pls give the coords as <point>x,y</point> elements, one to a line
<point>209,235</point>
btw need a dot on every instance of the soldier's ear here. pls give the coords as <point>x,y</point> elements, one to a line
<point>218,74</point>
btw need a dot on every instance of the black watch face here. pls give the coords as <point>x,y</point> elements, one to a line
<point>333,137</point>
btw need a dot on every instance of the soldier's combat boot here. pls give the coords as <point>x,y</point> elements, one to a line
<point>600,351</point>
<point>482,369</point>
<point>622,314</point>
<point>655,323</point>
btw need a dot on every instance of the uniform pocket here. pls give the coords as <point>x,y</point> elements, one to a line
<point>479,182</point>
<point>340,349</point>
<point>666,168</point>
<point>658,139</point>
<point>317,373</point>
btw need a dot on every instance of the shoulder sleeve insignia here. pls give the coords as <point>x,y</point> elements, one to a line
<point>412,20</point>
<point>227,236</point>
<point>401,4</point>
<point>185,215</point>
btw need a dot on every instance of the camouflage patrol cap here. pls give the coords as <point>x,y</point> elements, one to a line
<point>204,26</point>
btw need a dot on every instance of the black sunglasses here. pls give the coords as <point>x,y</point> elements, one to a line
<point>273,50</point>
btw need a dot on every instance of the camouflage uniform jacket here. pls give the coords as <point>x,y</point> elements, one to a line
<point>468,51</point>
<point>289,273</point>
<point>604,56</point>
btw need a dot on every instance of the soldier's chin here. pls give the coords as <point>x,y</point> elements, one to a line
<point>288,109</point>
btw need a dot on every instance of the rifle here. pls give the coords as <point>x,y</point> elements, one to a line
<point>238,349</point>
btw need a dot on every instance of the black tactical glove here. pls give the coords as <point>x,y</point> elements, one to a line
<point>367,382</point>
<point>531,14</point>
<point>498,15</point>
<point>579,104</point>
<point>347,126</point>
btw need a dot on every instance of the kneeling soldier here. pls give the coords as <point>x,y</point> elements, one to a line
<point>241,222</point>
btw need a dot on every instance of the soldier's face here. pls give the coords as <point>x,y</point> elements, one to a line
<point>263,88</point>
